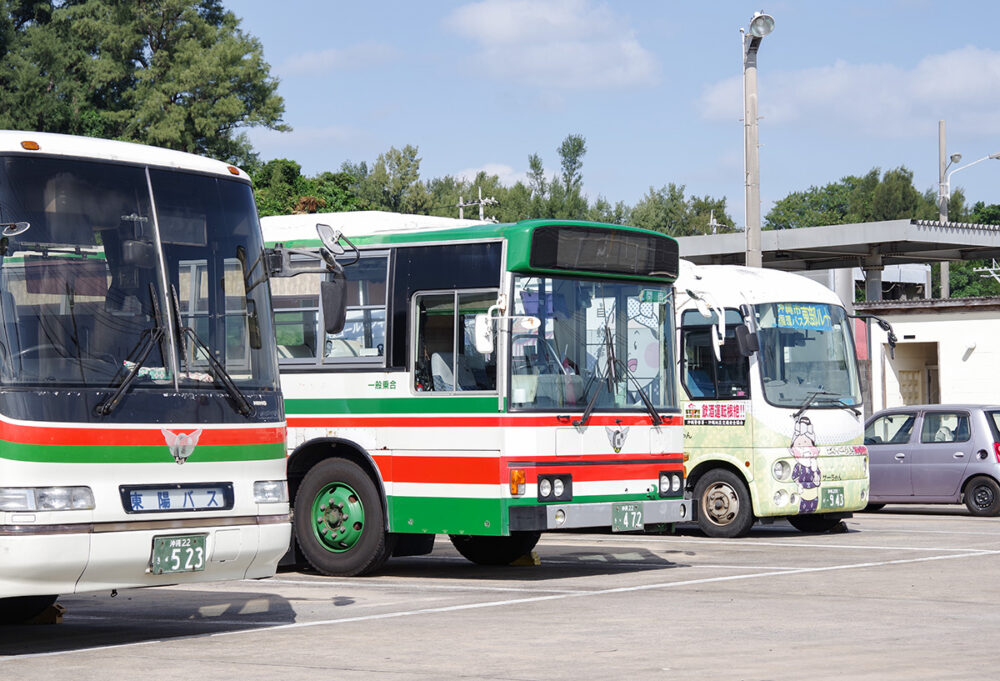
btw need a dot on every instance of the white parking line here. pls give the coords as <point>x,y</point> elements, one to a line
<point>519,601</point>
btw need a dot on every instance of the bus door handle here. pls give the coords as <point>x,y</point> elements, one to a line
<point>900,456</point>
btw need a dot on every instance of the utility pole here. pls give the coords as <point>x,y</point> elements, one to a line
<point>943,191</point>
<point>490,201</point>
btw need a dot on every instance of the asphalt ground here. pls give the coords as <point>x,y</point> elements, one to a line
<point>906,593</point>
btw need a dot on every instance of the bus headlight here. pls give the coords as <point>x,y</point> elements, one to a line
<point>544,487</point>
<point>270,492</point>
<point>46,499</point>
<point>781,470</point>
<point>780,497</point>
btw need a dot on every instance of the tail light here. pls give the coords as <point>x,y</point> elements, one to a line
<point>996,450</point>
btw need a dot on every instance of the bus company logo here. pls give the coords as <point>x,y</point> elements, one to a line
<point>616,437</point>
<point>181,445</point>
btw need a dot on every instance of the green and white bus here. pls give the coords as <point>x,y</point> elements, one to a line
<point>141,426</point>
<point>491,382</point>
<point>771,397</point>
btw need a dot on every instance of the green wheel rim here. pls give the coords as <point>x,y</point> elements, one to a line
<point>338,517</point>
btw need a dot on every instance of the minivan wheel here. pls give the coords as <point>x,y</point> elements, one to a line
<point>982,496</point>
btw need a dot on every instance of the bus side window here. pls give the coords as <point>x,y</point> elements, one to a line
<point>705,377</point>
<point>446,359</point>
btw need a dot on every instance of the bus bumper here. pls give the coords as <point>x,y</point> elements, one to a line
<point>596,515</point>
<point>67,559</point>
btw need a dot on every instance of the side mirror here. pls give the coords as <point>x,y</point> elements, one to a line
<point>333,297</point>
<point>747,342</point>
<point>526,324</point>
<point>329,237</point>
<point>484,334</point>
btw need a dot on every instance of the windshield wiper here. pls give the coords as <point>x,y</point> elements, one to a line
<point>147,340</point>
<point>644,397</point>
<point>839,401</point>
<point>218,371</point>
<point>609,351</point>
<point>810,398</point>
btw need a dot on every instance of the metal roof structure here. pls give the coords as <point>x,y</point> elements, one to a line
<point>866,244</point>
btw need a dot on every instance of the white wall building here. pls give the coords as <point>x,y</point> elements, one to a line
<point>947,351</point>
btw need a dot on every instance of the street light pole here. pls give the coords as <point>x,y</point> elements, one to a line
<point>944,194</point>
<point>760,25</point>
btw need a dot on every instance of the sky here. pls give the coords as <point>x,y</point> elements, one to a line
<point>654,86</point>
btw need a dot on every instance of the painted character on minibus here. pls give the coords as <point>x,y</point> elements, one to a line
<point>806,472</point>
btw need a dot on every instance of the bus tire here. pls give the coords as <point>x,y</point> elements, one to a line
<point>22,608</point>
<point>339,521</point>
<point>495,550</point>
<point>724,507</point>
<point>982,496</point>
<point>814,522</point>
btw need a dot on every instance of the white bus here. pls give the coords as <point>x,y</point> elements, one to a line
<point>771,397</point>
<point>491,382</point>
<point>141,426</point>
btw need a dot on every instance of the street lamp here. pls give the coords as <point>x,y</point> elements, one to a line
<point>760,25</point>
<point>944,194</point>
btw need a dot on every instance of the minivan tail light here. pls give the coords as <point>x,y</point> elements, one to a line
<point>996,450</point>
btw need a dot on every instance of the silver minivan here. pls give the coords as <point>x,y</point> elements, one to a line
<point>935,454</point>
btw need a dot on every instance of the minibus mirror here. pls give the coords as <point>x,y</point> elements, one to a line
<point>333,297</point>
<point>747,342</point>
<point>484,334</point>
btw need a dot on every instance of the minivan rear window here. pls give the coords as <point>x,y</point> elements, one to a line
<point>995,423</point>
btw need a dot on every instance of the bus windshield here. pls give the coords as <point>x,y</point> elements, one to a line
<point>104,266</point>
<point>604,336</point>
<point>807,356</point>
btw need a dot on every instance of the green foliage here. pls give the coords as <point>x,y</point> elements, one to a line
<point>871,197</point>
<point>280,189</point>
<point>666,210</point>
<point>173,73</point>
<point>963,279</point>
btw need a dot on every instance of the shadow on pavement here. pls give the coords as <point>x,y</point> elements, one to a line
<point>144,615</point>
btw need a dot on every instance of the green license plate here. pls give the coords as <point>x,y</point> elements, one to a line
<point>833,497</point>
<point>626,517</point>
<point>180,553</point>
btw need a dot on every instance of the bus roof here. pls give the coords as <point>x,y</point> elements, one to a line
<point>732,285</point>
<point>375,228</point>
<point>52,144</point>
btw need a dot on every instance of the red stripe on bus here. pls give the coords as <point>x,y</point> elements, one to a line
<point>69,436</point>
<point>357,421</point>
<point>491,471</point>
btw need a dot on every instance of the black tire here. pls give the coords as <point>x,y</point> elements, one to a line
<point>359,518</point>
<point>814,522</point>
<point>872,508</point>
<point>724,506</point>
<point>982,496</point>
<point>21,608</point>
<point>495,550</point>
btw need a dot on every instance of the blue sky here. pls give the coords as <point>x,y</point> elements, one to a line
<point>654,87</point>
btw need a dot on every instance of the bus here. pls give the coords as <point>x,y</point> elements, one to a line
<point>141,426</point>
<point>491,382</point>
<point>771,398</point>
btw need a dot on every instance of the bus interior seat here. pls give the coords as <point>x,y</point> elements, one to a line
<point>442,371</point>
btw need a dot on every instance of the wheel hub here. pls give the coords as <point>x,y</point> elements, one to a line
<point>721,504</point>
<point>983,497</point>
<point>338,517</point>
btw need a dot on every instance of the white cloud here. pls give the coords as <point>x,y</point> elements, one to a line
<point>353,58</point>
<point>273,142</point>
<point>508,176</point>
<point>879,100</point>
<point>555,44</point>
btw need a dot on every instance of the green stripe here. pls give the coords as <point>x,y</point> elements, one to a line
<point>393,405</point>
<point>437,515</point>
<point>158,454</point>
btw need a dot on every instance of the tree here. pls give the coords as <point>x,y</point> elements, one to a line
<point>280,188</point>
<point>666,210</point>
<point>173,73</point>
<point>569,203</point>
<point>963,279</point>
